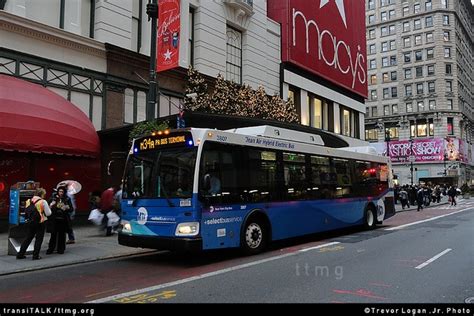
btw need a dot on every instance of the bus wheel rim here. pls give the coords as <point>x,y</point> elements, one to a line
<point>370,218</point>
<point>253,235</point>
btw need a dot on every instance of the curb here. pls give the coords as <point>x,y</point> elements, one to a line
<point>137,254</point>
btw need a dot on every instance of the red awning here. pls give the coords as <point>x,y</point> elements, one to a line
<point>34,119</point>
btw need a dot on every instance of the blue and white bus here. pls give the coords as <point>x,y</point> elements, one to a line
<point>208,189</point>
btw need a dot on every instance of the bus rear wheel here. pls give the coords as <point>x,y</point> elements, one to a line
<point>254,236</point>
<point>370,218</point>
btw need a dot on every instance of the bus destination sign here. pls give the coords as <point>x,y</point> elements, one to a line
<point>161,141</point>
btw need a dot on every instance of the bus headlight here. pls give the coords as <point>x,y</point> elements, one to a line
<point>187,229</point>
<point>126,227</point>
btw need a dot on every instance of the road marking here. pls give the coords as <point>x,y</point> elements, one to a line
<point>202,276</point>
<point>146,298</point>
<point>426,220</point>
<point>320,246</point>
<point>427,262</point>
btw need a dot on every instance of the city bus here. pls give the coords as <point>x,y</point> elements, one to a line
<point>198,189</point>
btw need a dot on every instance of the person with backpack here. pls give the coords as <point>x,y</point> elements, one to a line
<point>36,224</point>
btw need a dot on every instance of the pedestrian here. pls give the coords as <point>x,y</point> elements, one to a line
<point>420,198</point>
<point>404,198</point>
<point>70,232</point>
<point>36,230</point>
<point>107,205</point>
<point>452,195</point>
<point>61,206</point>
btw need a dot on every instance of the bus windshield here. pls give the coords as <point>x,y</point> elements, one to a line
<point>166,173</point>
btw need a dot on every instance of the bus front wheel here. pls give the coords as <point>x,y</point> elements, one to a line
<point>370,218</point>
<point>254,236</point>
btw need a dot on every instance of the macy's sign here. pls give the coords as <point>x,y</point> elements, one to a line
<point>329,54</point>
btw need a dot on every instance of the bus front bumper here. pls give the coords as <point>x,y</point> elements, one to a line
<point>161,243</point>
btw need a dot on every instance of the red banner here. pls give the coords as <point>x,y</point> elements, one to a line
<point>167,46</point>
<point>325,37</point>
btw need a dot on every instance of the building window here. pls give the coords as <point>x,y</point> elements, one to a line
<point>432,104</point>
<point>392,132</point>
<point>374,111</point>
<point>419,88</point>
<point>386,110</point>
<point>446,36</point>
<point>234,55</point>
<point>393,76</point>
<point>406,42</point>
<point>394,92</point>
<point>431,87</point>
<point>373,79</point>
<point>346,121</point>
<point>408,90</point>
<point>419,72</point>
<point>407,73</point>
<point>373,95</point>
<point>191,37</point>
<point>316,111</point>
<point>406,26</point>
<point>445,19</point>
<point>371,134</point>
<point>416,8</point>
<point>372,64</point>
<point>430,70</point>
<point>137,25</point>
<point>372,49</point>
<point>429,53</point>
<point>384,61</point>
<point>447,52</point>
<point>444,4</point>
<point>417,24</point>
<point>409,106</point>
<point>383,31</point>
<point>371,33</point>
<point>428,5</point>
<point>407,57</point>
<point>384,47</point>
<point>418,55</point>
<point>385,93</point>
<point>406,11</point>
<point>449,69</point>
<point>393,60</point>
<point>429,37</point>
<point>383,16</point>
<point>418,40</point>
<point>134,106</point>
<point>371,19</point>
<point>449,86</point>
<point>371,4</point>
<point>450,126</point>
<point>421,106</point>
<point>394,108</point>
<point>450,104</point>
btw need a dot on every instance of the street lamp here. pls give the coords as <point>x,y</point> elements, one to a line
<point>412,158</point>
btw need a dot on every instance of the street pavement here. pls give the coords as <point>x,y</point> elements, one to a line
<point>91,245</point>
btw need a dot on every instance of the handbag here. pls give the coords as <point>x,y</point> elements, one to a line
<point>96,217</point>
<point>113,219</point>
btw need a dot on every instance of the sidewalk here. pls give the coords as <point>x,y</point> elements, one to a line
<point>398,206</point>
<point>91,245</point>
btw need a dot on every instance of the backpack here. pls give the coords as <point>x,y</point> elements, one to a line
<point>32,215</point>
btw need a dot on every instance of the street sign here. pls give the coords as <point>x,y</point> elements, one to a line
<point>411,159</point>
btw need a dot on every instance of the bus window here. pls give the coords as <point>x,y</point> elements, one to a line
<point>344,178</point>
<point>262,176</point>
<point>294,175</point>
<point>219,174</point>
<point>323,179</point>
